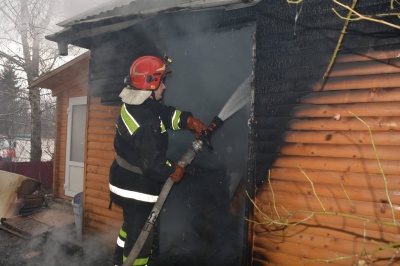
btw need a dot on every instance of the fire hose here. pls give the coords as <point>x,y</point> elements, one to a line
<point>185,160</point>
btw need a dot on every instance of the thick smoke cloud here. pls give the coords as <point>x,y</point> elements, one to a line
<point>208,67</point>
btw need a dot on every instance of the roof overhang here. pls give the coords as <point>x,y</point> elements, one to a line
<point>122,14</point>
<point>67,76</point>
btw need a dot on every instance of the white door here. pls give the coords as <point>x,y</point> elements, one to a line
<point>75,149</point>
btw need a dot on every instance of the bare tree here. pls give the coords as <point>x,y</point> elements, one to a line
<point>23,25</point>
<point>13,112</point>
<point>9,104</point>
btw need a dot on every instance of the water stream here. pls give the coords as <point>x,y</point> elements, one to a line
<point>238,100</point>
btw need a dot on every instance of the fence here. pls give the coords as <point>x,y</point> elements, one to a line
<point>41,171</point>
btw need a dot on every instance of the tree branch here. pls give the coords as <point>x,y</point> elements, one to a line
<point>362,17</point>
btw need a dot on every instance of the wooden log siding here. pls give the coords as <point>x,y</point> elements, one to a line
<point>100,154</point>
<point>337,155</point>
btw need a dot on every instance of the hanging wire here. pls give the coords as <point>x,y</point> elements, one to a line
<point>298,12</point>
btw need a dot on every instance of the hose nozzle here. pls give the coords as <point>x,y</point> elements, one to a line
<point>206,134</point>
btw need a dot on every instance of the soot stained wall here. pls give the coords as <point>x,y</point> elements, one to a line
<point>291,59</point>
<point>293,54</point>
<point>111,58</point>
<point>197,225</point>
<point>112,54</point>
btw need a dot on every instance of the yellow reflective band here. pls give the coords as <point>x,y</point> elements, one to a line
<point>128,120</point>
<point>133,194</point>
<point>162,126</point>
<point>161,68</point>
<point>168,163</point>
<point>122,233</point>
<point>175,120</point>
<point>141,261</point>
<point>138,262</point>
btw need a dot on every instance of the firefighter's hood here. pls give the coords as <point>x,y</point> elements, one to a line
<point>135,97</point>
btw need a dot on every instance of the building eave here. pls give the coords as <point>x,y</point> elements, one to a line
<point>75,71</point>
<point>89,25</point>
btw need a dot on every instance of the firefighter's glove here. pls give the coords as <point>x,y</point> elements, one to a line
<point>178,174</point>
<point>196,125</point>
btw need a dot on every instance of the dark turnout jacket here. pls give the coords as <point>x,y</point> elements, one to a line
<point>141,140</point>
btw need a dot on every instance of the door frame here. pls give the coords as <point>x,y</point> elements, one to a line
<point>82,100</point>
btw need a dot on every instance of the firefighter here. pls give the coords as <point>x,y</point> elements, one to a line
<point>141,166</point>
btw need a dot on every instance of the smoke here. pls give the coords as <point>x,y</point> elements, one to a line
<point>196,227</point>
<point>59,247</point>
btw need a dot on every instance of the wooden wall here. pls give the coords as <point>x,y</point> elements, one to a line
<point>100,154</point>
<point>298,120</point>
<point>331,147</point>
<point>110,60</point>
<point>315,161</point>
<point>67,81</point>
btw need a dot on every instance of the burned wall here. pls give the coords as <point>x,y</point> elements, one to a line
<point>198,224</point>
<point>295,44</point>
<point>307,140</point>
<point>291,55</point>
<point>111,58</point>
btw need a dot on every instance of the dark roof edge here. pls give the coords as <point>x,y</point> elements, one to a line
<point>72,34</point>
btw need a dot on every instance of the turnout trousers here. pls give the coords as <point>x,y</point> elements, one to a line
<point>135,216</point>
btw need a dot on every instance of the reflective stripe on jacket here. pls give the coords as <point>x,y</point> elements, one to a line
<point>141,140</point>
<point>133,195</point>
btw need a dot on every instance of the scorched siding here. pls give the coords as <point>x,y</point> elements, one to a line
<point>312,144</point>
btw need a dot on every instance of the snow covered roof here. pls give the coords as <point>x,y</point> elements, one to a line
<point>120,14</point>
<point>147,7</point>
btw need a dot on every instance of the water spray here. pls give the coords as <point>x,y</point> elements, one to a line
<point>237,101</point>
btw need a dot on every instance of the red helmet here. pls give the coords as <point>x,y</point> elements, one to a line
<point>146,73</point>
